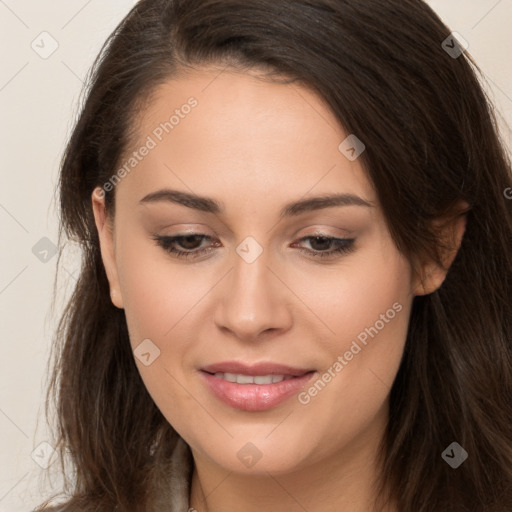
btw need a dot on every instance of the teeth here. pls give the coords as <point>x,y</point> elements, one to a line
<point>250,379</point>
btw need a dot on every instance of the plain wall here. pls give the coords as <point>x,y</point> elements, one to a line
<point>39,100</point>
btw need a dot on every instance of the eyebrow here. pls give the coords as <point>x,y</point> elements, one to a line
<point>209,205</point>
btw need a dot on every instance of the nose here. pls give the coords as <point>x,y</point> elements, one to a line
<point>253,301</point>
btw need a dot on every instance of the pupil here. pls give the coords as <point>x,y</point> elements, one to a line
<point>322,246</point>
<point>189,239</point>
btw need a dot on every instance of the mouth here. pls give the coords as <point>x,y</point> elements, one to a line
<point>255,370</point>
<point>254,387</point>
<point>240,378</point>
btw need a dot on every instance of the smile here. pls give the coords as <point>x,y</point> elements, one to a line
<point>252,379</point>
<point>254,392</point>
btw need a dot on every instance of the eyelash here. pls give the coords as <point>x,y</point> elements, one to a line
<point>344,246</point>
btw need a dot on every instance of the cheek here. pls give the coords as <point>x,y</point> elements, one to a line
<point>359,331</point>
<point>157,293</point>
<point>368,308</point>
<point>159,299</point>
<point>358,294</point>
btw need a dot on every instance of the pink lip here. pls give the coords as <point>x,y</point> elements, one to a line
<point>255,397</point>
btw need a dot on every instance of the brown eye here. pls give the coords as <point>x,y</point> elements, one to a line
<point>189,242</point>
<point>185,246</point>
<point>326,246</point>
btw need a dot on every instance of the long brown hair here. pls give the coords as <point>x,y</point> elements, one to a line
<point>431,141</point>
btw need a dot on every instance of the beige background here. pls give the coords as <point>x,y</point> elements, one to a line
<point>38,100</point>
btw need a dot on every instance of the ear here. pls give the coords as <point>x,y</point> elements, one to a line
<point>107,245</point>
<point>450,228</point>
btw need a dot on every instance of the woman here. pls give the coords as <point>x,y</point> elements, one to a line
<point>296,279</point>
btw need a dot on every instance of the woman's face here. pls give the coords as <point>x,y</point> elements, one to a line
<point>222,173</point>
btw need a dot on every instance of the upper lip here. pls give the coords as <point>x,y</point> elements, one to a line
<point>258,369</point>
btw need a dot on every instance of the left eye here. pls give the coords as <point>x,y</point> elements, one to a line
<point>336,246</point>
<point>189,246</point>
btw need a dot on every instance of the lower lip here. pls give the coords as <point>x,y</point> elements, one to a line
<point>255,397</point>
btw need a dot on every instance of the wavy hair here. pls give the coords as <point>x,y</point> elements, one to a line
<point>431,140</point>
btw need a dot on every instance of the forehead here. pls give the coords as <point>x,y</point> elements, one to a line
<point>228,101</point>
<point>224,131</point>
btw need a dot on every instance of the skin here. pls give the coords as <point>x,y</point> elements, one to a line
<point>256,146</point>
